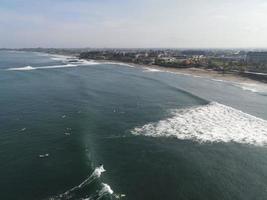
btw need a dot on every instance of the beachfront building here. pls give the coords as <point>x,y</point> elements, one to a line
<point>256,58</point>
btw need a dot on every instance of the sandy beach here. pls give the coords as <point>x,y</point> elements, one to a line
<point>205,73</point>
<point>198,72</point>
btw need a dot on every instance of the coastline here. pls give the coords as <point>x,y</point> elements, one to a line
<point>196,72</point>
<point>233,78</point>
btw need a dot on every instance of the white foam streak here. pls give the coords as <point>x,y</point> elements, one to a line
<point>79,62</point>
<point>253,87</point>
<point>59,57</point>
<point>27,68</point>
<point>56,66</point>
<point>210,123</point>
<point>96,174</point>
<point>219,80</point>
<point>147,69</point>
<point>98,171</point>
<point>21,68</point>
<point>87,62</point>
<point>118,63</point>
<point>106,189</point>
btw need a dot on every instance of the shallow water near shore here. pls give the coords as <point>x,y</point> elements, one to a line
<point>91,130</point>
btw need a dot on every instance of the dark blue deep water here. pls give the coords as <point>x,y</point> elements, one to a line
<point>59,124</point>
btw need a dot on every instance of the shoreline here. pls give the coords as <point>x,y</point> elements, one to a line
<point>233,77</point>
<point>196,72</point>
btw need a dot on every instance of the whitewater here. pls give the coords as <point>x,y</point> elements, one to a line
<point>209,123</point>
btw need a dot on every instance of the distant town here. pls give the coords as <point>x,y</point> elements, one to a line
<point>249,62</point>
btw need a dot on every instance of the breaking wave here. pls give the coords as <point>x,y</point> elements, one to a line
<point>21,68</point>
<point>209,123</point>
<point>27,68</point>
<point>87,62</point>
<point>71,193</point>
<point>103,192</point>
<point>147,69</point>
<point>119,63</point>
<point>254,87</point>
<point>59,57</point>
<point>68,64</point>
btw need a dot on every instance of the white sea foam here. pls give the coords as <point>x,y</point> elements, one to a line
<point>41,54</point>
<point>56,66</point>
<point>119,196</point>
<point>43,155</point>
<point>106,189</point>
<point>26,68</point>
<point>69,194</point>
<point>196,76</point>
<point>87,62</point>
<point>147,69</point>
<point>118,63</point>
<point>219,80</point>
<point>253,87</point>
<point>209,123</point>
<point>69,59</point>
<point>59,57</point>
<point>80,62</point>
<point>96,174</point>
<point>23,129</point>
<point>98,171</point>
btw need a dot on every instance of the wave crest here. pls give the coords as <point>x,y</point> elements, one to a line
<point>70,64</point>
<point>210,123</point>
<point>70,194</point>
<point>26,68</point>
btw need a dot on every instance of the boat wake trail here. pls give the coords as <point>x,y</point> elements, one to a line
<point>209,123</point>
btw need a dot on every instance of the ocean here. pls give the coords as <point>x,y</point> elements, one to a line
<point>89,130</point>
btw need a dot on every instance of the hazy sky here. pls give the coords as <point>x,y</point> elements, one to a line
<point>133,23</point>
